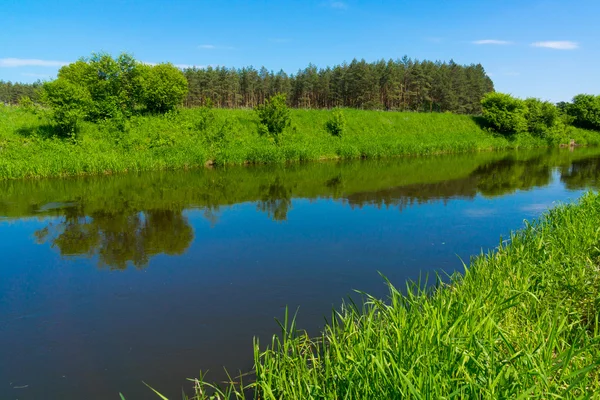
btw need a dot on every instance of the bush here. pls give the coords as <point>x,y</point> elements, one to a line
<point>585,111</point>
<point>69,103</point>
<point>336,125</point>
<point>274,116</point>
<point>504,113</point>
<point>163,87</point>
<point>206,116</point>
<point>112,84</point>
<point>102,88</point>
<point>542,117</point>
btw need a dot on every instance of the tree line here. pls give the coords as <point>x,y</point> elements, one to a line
<point>10,92</point>
<point>404,85</point>
<point>507,114</point>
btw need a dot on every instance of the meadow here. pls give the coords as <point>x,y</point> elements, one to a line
<point>193,138</point>
<point>522,321</point>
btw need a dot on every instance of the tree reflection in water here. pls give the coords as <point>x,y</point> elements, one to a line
<point>127,219</point>
<point>119,237</point>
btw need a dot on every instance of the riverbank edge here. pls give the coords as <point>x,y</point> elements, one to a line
<point>176,142</point>
<point>212,163</point>
<point>523,320</point>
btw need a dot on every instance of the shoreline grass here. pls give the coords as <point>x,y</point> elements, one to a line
<point>523,321</point>
<point>191,138</point>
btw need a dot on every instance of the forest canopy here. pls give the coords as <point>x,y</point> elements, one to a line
<point>404,84</point>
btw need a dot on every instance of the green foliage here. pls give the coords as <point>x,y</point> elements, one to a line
<point>10,92</point>
<point>111,84</point>
<point>104,88</point>
<point>274,116</point>
<point>27,104</point>
<point>585,111</point>
<point>336,125</point>
<point>542,117</point>
<point>70,103</point>
<point>163,87</point>
<point>405,84</point>
<point>504,113</point>
<point>173,140</point>
<point>206,116</point>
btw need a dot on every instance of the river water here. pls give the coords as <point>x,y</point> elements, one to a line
<point>106,282</point>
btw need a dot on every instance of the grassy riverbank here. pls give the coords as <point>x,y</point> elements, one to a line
<point>522,322</point>
<point>188,139</point>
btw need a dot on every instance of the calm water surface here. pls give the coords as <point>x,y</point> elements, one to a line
<point>105,282</point>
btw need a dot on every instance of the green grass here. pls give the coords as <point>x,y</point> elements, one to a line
<point>178,141</point>
<point>522,322</point>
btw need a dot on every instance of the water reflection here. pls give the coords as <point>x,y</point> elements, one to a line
<point>128,219</point>
<point>119,237</point>
<point>581,174</point>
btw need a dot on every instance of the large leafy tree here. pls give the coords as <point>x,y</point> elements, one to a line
<point>585,111</point>
<point>504,113</point>
<point>163,87</point>
<point>102,87</point>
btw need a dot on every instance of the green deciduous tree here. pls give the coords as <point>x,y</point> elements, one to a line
<point>274,116</point>
<point>585,110</point>
<point>504,113</point>
<point>105,88</point>
<point>542,116</point>
<point>69,102</point>
<point>336,125</point>
<point>163,87</point>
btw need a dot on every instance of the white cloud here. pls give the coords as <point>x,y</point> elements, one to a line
<point>340,5</point>
<point>491,41</point>
<point>29,62</point>
<point>180,66</point>
<point>557,45</point>
<point>34,75</point>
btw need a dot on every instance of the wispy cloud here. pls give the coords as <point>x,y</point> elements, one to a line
<point>435,39</point>
<point>34,75</point>
<point>29,62</point>
<point>214,47</point>
<point>492,41</point>
<point>340,5</point>
<point>180,66</point>
<point>279,40</point>
<point>557,45</point>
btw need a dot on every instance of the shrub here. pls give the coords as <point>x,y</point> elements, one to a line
<point>69,103</point>
<point>274,116</point>
<point>163,87</point>
<point>585,111</point>
<point>102,88</point>
<point>27,104</point>
<point>336,125</point>
<point>206,116</point>
<point>504,113</point>
<point>542,117</point>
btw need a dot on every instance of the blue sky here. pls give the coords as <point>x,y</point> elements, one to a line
<point>547,49</point>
